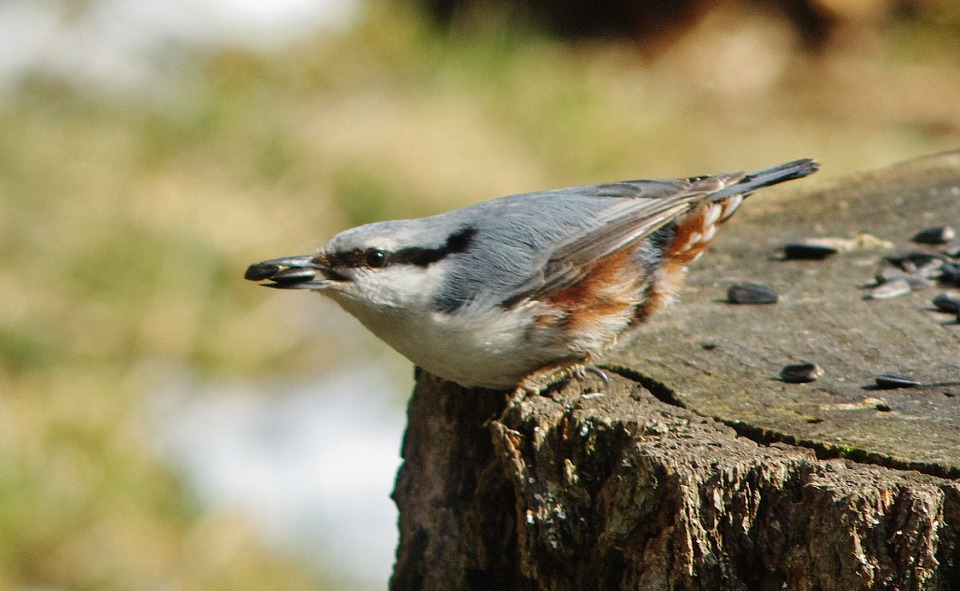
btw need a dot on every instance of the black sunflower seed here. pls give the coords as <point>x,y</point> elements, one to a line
<point>890,290</point>
<point>950,274</point>
<point>888,274</point>
<point>800,373</point>
<point>914,260</point>
<point>952,250</point>
<point>935,235</point>
<point>751,293</point>
<point>261,271</point>
<point>891,381</point>
<point>930,269</point>
<point>294,275</point>
<point>947,303</point>
<point>807,251</point>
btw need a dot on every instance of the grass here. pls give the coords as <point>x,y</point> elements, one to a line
<point>126,223</point>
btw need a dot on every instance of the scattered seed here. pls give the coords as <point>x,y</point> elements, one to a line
<point>751,293</point>
<point>947,303</point>
<point>935,235</point>
<point>800,373</point>
<point>888,274</point>
<point>930,270</point>
<point>914,260</point>
<point>952,250</point>
<point>892,381</point>
<point>950,274</point>
<point>890,290</point>
<point>807,251</point>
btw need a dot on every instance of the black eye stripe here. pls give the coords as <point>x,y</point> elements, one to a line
<point>457,242</point>
<point>345,258</point>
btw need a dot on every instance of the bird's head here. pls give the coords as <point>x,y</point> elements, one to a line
<point>386,264</point>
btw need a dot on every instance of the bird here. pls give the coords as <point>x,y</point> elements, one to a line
<point>519,291</point>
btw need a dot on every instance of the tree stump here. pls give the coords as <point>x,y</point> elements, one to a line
<point>698,467</point>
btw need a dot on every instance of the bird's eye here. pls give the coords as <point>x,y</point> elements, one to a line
<point>375,258</point>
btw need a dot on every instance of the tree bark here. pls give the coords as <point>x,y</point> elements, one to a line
<point>697,468</point>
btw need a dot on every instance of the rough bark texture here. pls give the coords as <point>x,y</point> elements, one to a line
<point>642,488</point>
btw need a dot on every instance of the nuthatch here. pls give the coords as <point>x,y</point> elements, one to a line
<point>528,286</point>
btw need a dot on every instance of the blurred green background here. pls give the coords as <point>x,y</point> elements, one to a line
<point>142,168</point>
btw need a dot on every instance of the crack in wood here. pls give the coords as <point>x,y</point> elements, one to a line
<point>766,436</point>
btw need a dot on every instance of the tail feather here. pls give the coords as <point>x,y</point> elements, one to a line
<point>766,177</point>
<point>694,231</point>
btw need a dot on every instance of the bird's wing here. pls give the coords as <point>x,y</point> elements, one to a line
<point>639,208</point>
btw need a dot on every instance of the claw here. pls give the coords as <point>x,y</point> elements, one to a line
<point>599,373</point>
<point>544,379</point>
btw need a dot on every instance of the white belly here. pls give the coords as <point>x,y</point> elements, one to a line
<point>489,352</point>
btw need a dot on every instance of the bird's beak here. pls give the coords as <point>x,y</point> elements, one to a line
<point>300,272</point>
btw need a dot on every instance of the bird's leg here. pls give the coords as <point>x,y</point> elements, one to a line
<point>546,379</point>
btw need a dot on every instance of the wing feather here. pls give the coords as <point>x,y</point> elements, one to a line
<point>642,207</point>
